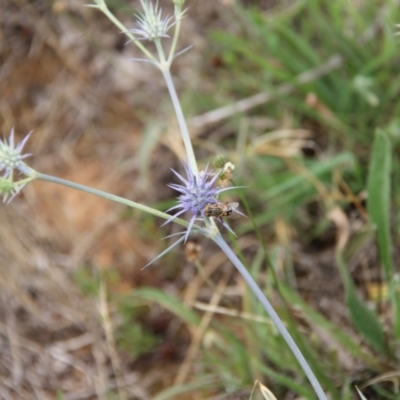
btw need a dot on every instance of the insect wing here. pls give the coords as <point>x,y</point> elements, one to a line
<point>233,214</point>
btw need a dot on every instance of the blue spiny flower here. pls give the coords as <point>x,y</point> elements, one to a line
<point>196,193</point>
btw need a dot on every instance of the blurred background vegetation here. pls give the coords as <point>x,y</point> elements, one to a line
<point>302,96</point>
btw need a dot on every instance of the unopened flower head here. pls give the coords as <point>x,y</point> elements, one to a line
<point>9,189</point>
<point>196,193</point>
<point>151,24</point>
<point>222,163</point>
<point>10,155</point>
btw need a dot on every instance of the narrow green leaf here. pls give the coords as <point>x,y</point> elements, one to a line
<point>318,169</point>
<point>364,319</point>
<point>329,328</point>
<point>169,302</point>
<point>379,212</point>
<point>379,197</point>
<point>174,391</point>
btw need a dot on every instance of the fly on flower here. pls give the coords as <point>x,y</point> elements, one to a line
<point>221,210</point>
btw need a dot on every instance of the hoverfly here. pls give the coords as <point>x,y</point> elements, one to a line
<point>220,210</point>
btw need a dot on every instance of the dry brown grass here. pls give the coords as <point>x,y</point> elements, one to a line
<point>65,74</point>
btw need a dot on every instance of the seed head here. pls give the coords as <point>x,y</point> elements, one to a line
<point>151,24</point>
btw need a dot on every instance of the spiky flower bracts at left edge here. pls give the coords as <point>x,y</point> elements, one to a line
<point>11,160</point>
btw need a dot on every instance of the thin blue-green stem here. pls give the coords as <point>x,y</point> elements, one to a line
<point>178,17</point>
<point>164,67</point>
<point>111,197</point>
<point>218,239</point>
<point>191,159</point>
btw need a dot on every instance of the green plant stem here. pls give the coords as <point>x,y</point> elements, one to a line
<point>178,17</point>
<point>218,239</point>
<point>111,197</point>
<point>191,159</point>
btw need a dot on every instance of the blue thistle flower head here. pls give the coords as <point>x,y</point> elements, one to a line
<point>196,193</point>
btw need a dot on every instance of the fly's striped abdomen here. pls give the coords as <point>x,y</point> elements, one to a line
<point>219,210</point>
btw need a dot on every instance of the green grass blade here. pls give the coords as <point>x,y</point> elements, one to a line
<point>321,322</point>
<point>317,169</point>
<point>379,187</point>
<point>171,303</point>
<point>379,197</point>
<point>174,391</point>
<point>364,319</point>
